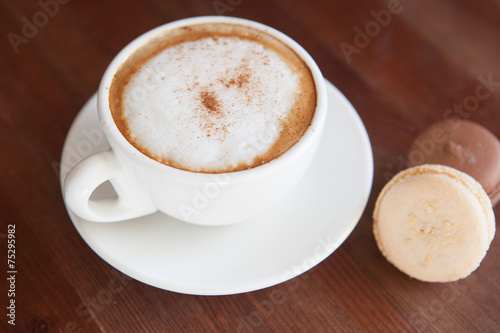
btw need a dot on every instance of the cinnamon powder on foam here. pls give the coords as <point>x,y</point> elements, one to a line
<point>213,113</point>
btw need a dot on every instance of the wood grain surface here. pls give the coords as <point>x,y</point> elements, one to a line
<point>403,65</point>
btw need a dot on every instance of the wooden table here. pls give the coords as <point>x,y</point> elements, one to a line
<point>403,64</point>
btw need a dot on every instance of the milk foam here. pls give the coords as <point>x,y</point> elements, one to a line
<point>211,104</point>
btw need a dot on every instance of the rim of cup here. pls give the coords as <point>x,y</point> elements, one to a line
<point>109,126</point>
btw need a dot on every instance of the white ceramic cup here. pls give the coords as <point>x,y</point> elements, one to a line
<point>144,185</point>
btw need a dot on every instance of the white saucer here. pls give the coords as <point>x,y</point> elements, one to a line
<point>304,229</point>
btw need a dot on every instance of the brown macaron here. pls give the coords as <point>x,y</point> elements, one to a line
<point>465,146</point>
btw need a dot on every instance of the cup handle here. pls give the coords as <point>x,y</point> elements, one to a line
<point>94,170</point>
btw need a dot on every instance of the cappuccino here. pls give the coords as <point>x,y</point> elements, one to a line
<point>213,98</point>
